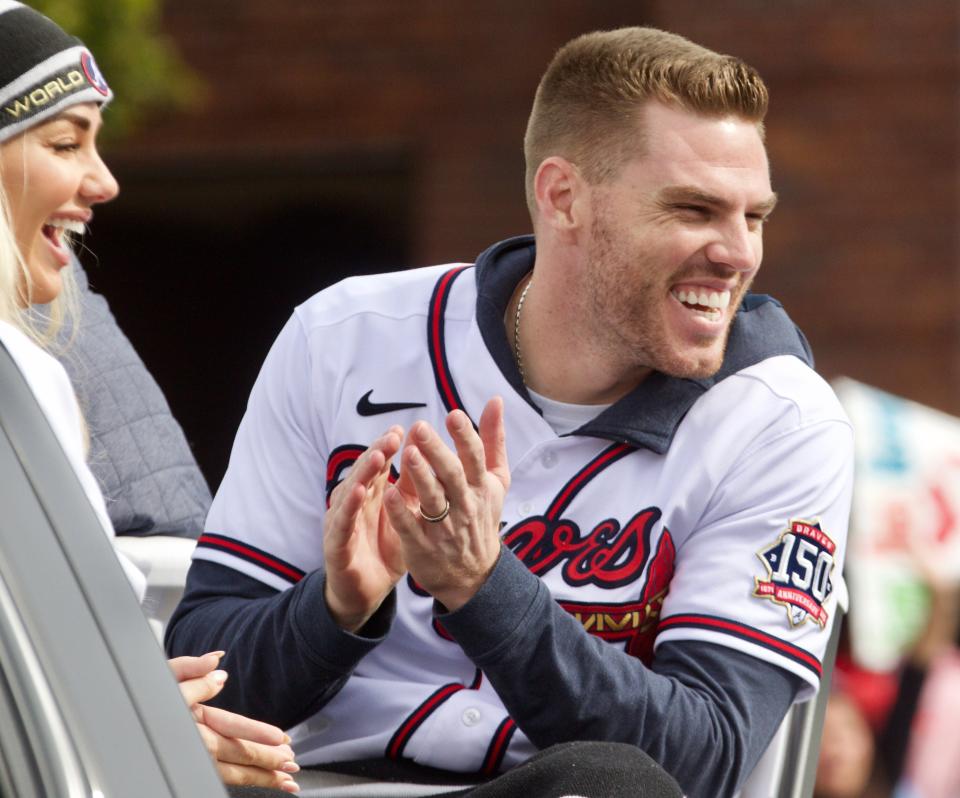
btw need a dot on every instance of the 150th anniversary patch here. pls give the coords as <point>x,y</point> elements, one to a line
<point>799,565</point>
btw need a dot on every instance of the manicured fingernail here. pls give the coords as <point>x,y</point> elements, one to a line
<point>218,676</point>
<point>290,767</point>
<point>219,654</point>
<point>422,433</point>
<point>287,739</point>
<point>290,786</point>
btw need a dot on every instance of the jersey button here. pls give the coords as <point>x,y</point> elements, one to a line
<point>526,509</point>
<point>471,716</point>
<point>549,459</point>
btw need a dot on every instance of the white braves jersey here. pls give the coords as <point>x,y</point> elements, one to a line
<point>723,521</point>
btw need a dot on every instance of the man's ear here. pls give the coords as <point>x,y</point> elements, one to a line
<point>560,192</point>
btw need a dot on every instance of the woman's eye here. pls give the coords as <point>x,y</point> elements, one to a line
<point>66,146</point>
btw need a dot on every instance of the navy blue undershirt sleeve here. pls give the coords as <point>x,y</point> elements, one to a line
<point>285,655</point>
<point>705,712</point>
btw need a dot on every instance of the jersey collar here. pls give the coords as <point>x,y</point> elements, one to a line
<point>649,416</point>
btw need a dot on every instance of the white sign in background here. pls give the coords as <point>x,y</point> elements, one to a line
<point>907,488</point>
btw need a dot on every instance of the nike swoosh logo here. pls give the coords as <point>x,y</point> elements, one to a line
<point>367,408</point>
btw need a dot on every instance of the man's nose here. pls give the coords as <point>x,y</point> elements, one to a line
<point>736,246</point>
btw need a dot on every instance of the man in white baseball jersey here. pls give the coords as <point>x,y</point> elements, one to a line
<point>623,490</point>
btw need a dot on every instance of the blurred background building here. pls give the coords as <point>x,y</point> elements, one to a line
<point>347,136</point>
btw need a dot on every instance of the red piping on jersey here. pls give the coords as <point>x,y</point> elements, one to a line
<point>498,746</point>
<point>607,457</point>
<point>278,566</point>
<point>746,632</point>
<point>413,722</point>
<point>435,339</point>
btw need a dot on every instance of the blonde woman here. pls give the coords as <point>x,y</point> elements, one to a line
<point>51,177</point>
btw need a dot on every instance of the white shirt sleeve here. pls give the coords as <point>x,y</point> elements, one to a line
<point>761,572</point>
<point>54,393</point>
<point>266,519</point>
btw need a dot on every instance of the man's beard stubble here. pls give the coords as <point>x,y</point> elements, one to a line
<point>625,322</point>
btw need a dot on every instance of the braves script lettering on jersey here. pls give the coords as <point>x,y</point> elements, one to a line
<point>650,529</point>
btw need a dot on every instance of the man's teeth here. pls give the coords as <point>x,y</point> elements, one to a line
<point>719,300</point>
<point>70,225</point>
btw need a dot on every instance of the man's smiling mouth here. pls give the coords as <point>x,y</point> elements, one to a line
<point>708,304</point>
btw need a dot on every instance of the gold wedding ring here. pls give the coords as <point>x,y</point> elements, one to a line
<point>433,519</point>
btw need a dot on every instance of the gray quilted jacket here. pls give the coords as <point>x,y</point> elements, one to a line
<point>138,452</point>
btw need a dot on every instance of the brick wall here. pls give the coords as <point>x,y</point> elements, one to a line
<point>863,135</point>
<point>449,82</point>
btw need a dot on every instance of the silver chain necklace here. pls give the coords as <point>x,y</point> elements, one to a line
<point>516,331</point>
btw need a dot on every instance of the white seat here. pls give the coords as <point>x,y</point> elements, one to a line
<point>165,560</point>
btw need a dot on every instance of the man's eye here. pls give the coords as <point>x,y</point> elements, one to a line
<point>693,210</point>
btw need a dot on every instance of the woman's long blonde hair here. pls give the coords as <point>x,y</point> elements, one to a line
<point>16,289</point>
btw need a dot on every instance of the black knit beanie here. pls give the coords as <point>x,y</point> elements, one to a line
<point>42,70</point>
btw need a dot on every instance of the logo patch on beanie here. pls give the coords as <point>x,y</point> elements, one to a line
<point>94,75</point>
<point>46,95</point>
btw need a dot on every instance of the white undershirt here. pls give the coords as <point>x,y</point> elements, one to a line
<point>563,416</point>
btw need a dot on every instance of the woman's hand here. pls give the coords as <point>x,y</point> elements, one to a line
<point>245,751</point>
